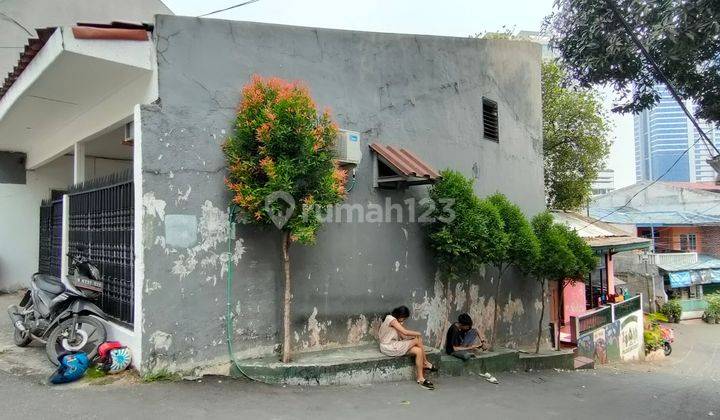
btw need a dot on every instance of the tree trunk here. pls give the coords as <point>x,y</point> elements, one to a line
<point>542,314</point>
<point>288,298</point>
<point>495,308</point>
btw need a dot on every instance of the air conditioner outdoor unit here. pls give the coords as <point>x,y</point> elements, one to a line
<point>347,147</point>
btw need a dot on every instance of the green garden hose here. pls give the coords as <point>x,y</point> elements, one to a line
<point>228,314</point>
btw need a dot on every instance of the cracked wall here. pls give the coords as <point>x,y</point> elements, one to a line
<point>419,92</point>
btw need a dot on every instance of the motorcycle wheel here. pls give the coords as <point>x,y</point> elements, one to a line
<point>90,333</point>
<point>667,348</point>
<point>21,339</point>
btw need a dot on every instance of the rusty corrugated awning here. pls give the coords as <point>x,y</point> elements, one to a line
<point>114,30</point>
<point>405,164</point>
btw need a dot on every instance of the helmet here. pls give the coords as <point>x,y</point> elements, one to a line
<point>72,367</point>
<point>119,360</point>
<point>104,349</point>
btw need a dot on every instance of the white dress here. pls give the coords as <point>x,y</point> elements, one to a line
<point>390,342</point>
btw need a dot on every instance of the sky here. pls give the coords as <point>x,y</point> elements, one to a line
<point>441,17</point>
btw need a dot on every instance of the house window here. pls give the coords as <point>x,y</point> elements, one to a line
<point>491,127</point>
<point>688,242</point>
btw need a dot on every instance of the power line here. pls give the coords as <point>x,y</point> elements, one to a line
<point>659,73</point>
<point>229,8</point>
<point>655,181</point>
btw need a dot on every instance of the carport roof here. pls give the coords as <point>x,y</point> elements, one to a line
<point>113,30</point>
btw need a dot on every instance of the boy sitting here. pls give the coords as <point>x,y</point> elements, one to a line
<point>462,339</point>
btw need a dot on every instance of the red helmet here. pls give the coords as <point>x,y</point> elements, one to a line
<point>104,349</point>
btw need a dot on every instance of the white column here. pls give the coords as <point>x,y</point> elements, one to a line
<point>79,163</point>
<point>64,246</point>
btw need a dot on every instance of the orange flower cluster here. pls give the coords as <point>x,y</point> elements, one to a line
<point>247,202</point>
<point>339,179</point>
<point>268,166</point>
<point>263,132</point>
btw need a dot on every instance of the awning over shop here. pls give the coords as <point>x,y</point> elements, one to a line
<point>705,270</point>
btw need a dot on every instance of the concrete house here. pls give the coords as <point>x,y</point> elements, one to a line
<point>166,95</point>
<point>21,186</point>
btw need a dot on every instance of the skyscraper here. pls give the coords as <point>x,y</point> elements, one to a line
<point>661,136</point>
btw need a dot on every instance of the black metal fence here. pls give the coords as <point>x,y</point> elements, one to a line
<point>627,307</point>
<point>101,220</point>
<point>50,252</point>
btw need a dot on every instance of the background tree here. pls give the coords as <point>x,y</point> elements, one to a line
<point>555,261</point>
<point>280,160</point>
<point>520,247</point>
<point>683,37</point>
<point>466,239</point>
<point>576,138</point>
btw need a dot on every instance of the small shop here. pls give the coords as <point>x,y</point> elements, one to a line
<point>690,282</point>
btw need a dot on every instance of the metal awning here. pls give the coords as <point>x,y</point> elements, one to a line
<point>396,167</point>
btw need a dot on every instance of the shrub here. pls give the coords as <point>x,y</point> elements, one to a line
<point>653,339</point>
<point>672,310</point>
<point>713,308</point>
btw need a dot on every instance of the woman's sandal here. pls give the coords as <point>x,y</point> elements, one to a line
<point>426,384</point>
<point>432,368</point>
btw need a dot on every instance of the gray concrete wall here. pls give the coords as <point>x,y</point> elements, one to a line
<point>419,92</point>
<point>12,168</point>
<point>640,278</point>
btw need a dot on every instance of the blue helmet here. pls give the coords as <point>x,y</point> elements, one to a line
<point>72,367</point>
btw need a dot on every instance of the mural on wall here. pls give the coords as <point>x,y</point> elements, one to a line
<point>618,341</point>
<point>631,337</point>
<point>600,344</point>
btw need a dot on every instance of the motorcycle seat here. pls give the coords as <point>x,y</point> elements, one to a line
<point>50,284</point>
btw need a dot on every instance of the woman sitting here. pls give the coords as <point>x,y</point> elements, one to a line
<point>396,341</point>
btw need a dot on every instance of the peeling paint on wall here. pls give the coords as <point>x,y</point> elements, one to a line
<point>434,310</point>
<point>513,308</point>
<point>161,341</point>
<point>357,329</point>
<point>315,329</point>
<point>153,207</point>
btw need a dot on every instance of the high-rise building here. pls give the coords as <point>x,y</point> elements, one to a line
<point>604,183</point>
<point>662,134</point>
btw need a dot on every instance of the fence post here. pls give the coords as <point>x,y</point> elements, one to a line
<point>64,247</point>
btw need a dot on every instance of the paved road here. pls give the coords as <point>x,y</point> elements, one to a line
<point>684,386</point>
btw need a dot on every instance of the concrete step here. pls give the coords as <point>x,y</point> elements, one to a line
<point>497,361</point>
<point>551,359</point>
<point>344,366</point>
<point>581,362</point>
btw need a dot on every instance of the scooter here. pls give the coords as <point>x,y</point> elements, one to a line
<point>59,313</point>
<point>668,336</point>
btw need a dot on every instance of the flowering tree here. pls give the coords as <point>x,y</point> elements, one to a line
<point>281,168</point>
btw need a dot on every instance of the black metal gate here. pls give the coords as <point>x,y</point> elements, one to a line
<point>50,252</point>
<point>101,220</point>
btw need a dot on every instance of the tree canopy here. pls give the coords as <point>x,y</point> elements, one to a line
<point>282,151</point>
<point>683,37</point>
<point>576,138</point>
<point>473,236</point>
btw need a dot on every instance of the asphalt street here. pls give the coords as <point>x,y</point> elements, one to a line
<point>684,386</point>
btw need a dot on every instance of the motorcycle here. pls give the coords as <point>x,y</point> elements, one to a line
<point>668,337</point>
<point>59,313</point>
